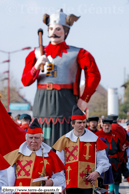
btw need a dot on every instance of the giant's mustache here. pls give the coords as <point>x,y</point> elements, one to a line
<point>54,36</point>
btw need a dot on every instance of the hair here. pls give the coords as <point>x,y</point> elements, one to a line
<point>73,122</point>
<point>25,119</point>
<point>66,30</point>
<point>28,133</point>
<point>17,117</point>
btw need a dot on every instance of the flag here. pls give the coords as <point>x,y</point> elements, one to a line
<point>11,136</point>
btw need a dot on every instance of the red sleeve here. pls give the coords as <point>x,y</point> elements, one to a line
<point>92,74</point>
<point>29,73</point>
<point>101,145</point>
<point>57,164</point>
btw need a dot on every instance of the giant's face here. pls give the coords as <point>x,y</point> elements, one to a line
<point>56,33</point>
<point>34,141</point>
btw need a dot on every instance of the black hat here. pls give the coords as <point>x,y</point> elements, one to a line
<point>10,113</point>
<point>93,118</point>
<point>77,114</point>
<point>35,127</point>
<point>25,116</point>
<point>127,122</point>
<point>107,121</point>
<point>113,117</point>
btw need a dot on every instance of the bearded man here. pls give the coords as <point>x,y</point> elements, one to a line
<point>93,123</point>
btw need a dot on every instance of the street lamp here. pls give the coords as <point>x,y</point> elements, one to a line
<point>8,61</point>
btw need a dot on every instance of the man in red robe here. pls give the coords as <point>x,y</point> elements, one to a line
<point>93,123</point>
<point>34,159</point>
<point>83,154</point>
<point>58,85</point>
<point>113,143</point>
<point>124,142</point>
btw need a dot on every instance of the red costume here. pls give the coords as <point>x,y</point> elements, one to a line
<point>53,107</point>
<point>84,59</point>
<point>113,149</point>
<point>122,134</point>
<point>58,86</point>
<point>79,157</point>
<point>29,167</point>
<point>34,159</point>
<point>24,126</point>
<point>124,139</point>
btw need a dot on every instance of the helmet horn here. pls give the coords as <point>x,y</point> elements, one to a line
<point>45,19</point>
<point>70,19</point>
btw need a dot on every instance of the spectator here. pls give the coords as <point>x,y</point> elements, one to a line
<point>25,121</point>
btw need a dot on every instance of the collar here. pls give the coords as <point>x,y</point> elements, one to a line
<point>88,136</point>
<point>93,131</point>
<point>109,136</point>
<point>24,149</point>
<point>56,49</point>
<point>24,126</point>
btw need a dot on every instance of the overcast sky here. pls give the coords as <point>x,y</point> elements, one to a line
<point>103,30</point>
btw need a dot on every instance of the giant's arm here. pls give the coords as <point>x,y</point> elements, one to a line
<point>92,74</point>
<point>29,73</point>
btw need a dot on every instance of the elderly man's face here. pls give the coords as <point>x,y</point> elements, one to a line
<point>34,141</point>
<point>106,127</point>
<point>56,33</point>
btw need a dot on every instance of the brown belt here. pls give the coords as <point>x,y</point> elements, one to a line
<point>50,86</point>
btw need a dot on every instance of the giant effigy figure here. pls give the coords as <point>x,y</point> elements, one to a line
<point>58,84</point>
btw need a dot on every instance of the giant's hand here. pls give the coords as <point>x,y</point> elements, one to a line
<point>42,60</point>
<point>92,177</point>
<point>82,104</point>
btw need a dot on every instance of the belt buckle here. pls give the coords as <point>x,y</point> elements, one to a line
<point>49,86</point>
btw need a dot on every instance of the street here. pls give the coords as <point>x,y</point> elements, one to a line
<point>124,188</point>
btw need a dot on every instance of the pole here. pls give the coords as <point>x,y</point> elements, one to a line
<point>8,99</point>
<point>40,33</point>
<point>8,88</point>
